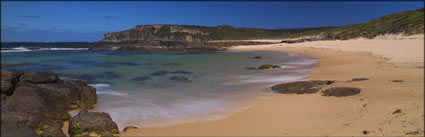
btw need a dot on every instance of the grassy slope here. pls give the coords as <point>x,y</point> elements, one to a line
<point>408,23</point>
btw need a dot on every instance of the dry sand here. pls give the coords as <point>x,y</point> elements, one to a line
<point>371,111</point>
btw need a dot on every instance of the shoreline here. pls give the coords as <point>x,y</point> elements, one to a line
<point>370,111</point>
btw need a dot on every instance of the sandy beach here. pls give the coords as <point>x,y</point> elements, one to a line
<point>369,113</point>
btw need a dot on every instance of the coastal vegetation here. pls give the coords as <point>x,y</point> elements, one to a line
<point>407,23</point>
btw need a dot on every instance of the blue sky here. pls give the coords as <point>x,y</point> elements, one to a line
<point>88,21</point>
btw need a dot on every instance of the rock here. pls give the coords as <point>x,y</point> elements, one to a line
<point>397,80</point>
<point>292,41</point>
<point>40,102</point>
<point>87,123</point>
<point>180,79</point>
<point>251,68</point>
<point>39,77</point>
<point>129,128</point>
<point>365,132</point>
<point>142,78</point>
<point>397,111</point>
<point>268,66</point>
<point>341,91</point>
<point>299,87</point>
<point>3,98</point>
<point>323,82</point>
<point>9,80</point>
<point>87,94</point>
<point>29,98</point>
<point>76,94</point>
<point>16,130</point>
<point>257,57</point>
<point>359,79</point>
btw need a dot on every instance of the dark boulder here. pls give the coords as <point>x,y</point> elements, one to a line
<point>39,77</point>
<point>359,79</point>
<point>76,94</point>
<point>341,91</point>
<point>9,80</point>
<point>16,130</point>
<point>268,66</point>
<point>299,87</point>
<point>323,82</point>
<point>40,102</point>
<point>86,123</point>
<point>29,98</point>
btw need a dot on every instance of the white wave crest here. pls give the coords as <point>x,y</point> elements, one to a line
<point>23,49</point>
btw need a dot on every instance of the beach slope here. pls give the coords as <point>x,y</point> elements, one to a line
<point>383,108</point>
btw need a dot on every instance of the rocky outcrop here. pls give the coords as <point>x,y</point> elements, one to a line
<point>92,124</point>
<point>39,101</point>
<point>171,46</point>
<point>300,87</point>
<point>156,32</point>
<point>341,91</point>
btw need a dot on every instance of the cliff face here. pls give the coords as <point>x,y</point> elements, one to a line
<point>155,33</point>
<point>408,23</point>
<point>190,33</point>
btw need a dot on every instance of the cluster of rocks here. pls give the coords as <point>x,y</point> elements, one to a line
<point>172,46</point>
<point>314,86</point>
<point>36,104</point>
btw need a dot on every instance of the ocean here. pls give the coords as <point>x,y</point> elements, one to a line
<point>160,89</point>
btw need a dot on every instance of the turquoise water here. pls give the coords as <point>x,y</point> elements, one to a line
<point>158,89</point>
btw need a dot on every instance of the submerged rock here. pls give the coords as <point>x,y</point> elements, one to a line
<point>180,79</point>
<point>341,91</point>
<point>268,66</point>
<point>88,123</point>
<point>143,78</point>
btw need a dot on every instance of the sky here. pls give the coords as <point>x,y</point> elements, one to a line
<point>68,21</point>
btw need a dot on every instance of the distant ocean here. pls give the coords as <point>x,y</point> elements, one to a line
<point>158,89</point>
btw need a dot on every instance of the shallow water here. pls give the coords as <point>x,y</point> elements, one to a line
<point>158,89</point>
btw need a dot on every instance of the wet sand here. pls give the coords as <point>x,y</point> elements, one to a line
<point>369,113</point>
